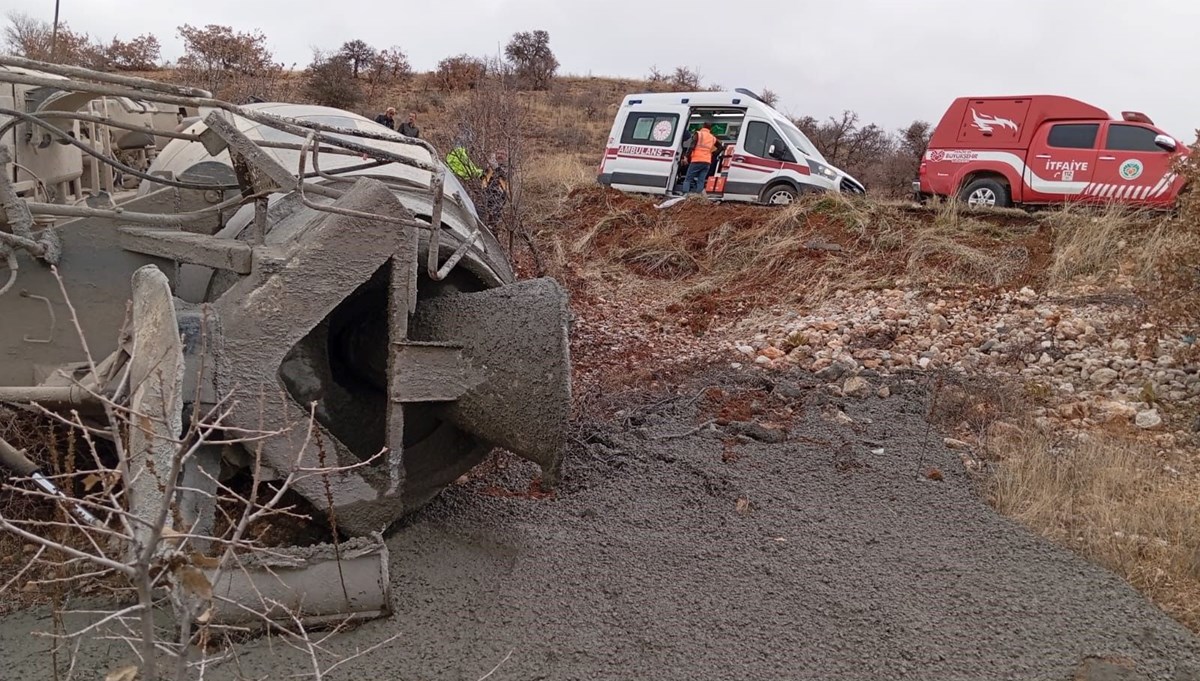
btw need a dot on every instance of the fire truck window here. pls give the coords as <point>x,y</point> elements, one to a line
<point>1131,138</point>
<point>650,129</point>
<point>1074,136</point>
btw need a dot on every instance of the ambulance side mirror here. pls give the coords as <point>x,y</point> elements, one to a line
<point>1165,142</point>
<point>772,151</point>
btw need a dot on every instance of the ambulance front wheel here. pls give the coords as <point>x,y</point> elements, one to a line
<point>779,195</point>
<point>986,192</point>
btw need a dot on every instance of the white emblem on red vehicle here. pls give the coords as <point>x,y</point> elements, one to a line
<point>1131,169</point>
<point>988,123</point>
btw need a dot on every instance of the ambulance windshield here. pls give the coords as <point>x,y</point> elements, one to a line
<point>797,138</point>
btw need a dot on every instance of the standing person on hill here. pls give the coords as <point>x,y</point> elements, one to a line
<point>495,188</point>
<point>703,150</point>
<point>459,162</point>
<point>387,118</point>
<point>409,128</point>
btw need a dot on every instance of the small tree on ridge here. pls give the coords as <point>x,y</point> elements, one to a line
<point>530,54</point>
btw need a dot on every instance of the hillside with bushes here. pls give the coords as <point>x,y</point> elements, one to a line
<point>560,120</point>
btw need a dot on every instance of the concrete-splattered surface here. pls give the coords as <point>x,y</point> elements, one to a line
<point>832,555</point>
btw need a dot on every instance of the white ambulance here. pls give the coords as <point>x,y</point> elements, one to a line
<point>766,159</point>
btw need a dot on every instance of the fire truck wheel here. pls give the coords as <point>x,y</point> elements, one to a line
<point>779,195</point>
<point>985,192</point>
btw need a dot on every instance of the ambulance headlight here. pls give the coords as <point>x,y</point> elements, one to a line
<point>822,170</point>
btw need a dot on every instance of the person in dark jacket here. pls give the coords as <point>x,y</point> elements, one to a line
<point>409,128</point>
<point>495,189</point>
<point>387,118</point>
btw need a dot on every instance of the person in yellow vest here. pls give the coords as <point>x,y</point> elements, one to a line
<point>459,162</point>
<point>705,146</point>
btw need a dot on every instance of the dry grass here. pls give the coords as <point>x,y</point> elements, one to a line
<point>1168,281</point>
<point>801,253</point>
<point>1097,241</point>
<point>557,174</point>
<point>1112,500</point>
<point>59,454</point>
<point>969,248</point>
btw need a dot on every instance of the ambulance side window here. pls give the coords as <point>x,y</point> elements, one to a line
<point>1131,138</point>
<point>760,137</point>
<point>651,129</point>
<point>756,139</point>
<point>1074,135</point>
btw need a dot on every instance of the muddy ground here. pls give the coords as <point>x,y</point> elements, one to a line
<point>846,551</point>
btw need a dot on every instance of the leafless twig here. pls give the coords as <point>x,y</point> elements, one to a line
<point>147,562</point>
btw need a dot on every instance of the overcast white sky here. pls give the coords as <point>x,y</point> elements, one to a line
<point>890,60</point>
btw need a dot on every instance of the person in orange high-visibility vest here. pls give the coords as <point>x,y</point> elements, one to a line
<point>706,144</point>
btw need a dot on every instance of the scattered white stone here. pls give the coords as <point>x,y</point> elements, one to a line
<point>1090,375</point>
<point>842,419</point>
<point>1102,377</point>
<point>762,360</point>
<point>1148,419</point>
<point>746,350</point>
<point>735,365</point>
<point>955,444</point>
<point>855,386</point>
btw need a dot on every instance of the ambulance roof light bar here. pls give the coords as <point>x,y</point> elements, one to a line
<point>748,93</point>
<point>1136,117</point>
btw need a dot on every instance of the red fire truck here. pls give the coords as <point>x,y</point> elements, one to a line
<point>1042,149</point>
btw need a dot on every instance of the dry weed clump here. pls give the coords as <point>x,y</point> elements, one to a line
<point>963,247</point>
<point>966,403</point>
<point>62,456</point>
<point>1171,290</point>
<point>1109,498</point>
<point>1092,241</point>
<point>1189,200</point>
<point>559,174</point>
<point>1171,281</point>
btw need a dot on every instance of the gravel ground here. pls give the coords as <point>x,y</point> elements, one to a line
<point>832,555</point>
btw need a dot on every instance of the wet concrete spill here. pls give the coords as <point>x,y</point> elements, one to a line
<point>812,558</point>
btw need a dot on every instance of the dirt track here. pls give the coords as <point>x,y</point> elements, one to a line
<point>840,563</point>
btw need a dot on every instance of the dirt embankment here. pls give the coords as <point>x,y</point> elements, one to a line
<point>654,288</point>
<point>1081,322</point>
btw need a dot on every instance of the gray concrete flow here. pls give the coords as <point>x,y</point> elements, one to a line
<point>844,564</point>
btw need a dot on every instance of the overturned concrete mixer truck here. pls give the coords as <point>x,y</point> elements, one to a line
<point>316,267</point>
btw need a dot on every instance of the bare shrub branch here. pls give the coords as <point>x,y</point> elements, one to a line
<point>162,570</point>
